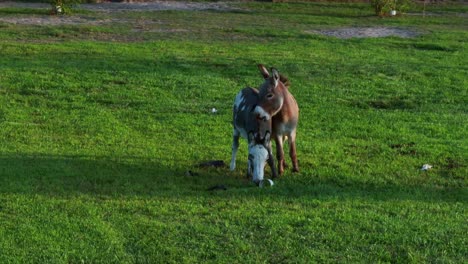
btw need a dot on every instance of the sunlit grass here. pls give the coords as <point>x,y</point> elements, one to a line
<point>100,124</point>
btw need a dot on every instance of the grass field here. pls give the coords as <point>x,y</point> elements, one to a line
<point>99,124</point>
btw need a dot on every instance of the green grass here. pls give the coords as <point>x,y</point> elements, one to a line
<point>99,124</point>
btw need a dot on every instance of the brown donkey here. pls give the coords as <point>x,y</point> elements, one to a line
<point>278,104</point>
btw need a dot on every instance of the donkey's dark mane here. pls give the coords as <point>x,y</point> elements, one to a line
<point>285,80</point>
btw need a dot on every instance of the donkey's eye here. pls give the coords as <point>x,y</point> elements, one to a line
<point>269,96</point>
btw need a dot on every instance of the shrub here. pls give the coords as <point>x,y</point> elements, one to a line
<point>403,5</point>
<point>63,6</point>
<point>383,7</point>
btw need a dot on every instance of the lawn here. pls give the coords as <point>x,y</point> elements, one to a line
<point>100,121</point>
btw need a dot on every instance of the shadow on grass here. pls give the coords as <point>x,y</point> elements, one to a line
<point>74,175</point>
<point>62,176</point>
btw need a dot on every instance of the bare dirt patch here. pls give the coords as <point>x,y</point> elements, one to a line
<point>24,5</point>
<point>113,7</point>
<point>157,6</point>
<point>139,6</point>
<point>46,20</point>
<point>104,7</point>
<point>367,32</point>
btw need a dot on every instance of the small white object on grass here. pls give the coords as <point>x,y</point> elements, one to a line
<point>426,167</point>
<point>214,110</point>
<point>263,184</point>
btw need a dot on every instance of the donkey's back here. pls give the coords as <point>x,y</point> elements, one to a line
<point>243,117</point>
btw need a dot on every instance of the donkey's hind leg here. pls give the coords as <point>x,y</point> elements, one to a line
<point>292,151</point>
<point>235,147</point>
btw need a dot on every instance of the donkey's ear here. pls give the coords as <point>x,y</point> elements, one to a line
<point>275,73</point>
<point>276,76</point>
<point>263,71</point>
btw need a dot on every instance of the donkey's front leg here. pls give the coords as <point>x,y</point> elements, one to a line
<point>235,147</point>
<point>279,153</point>
<point>271,163</point>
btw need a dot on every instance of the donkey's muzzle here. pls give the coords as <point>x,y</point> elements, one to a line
<point>257,182</point>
